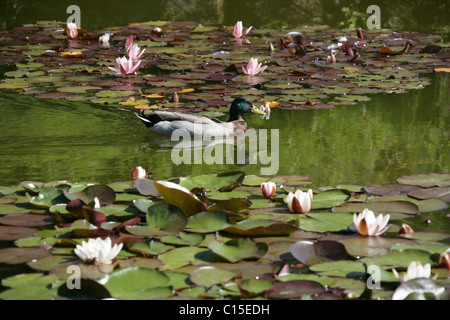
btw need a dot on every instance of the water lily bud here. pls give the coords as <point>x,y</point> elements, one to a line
<point>157,31</point>
<point>97,204</point>
<point>271,47</point>
<point>299,201</point>
<point>405,228</point>
<point>268,189</point>
<point>138,173</point>
<point>444,259</point>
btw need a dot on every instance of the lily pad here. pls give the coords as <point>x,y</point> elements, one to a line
<point>427,180</point>
<point>22,255</point>
<point>295,289</point>
<point>181,197</point>
<point>330,198</point>
<point>325,221</point>
<point>207,276</point>
<point>238,249</point>
<point>260,228</point>
<point>135,283</point>
<point>379,207</point>
<point>309,252</point>
<point>207,221</point>
<point>166,217</point>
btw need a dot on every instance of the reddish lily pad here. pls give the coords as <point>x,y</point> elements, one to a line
<point>427,180</point>
<point>26,220</point>
<point>22,255</point>
<point>13,233</point>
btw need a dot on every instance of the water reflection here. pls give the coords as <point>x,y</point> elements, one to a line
<point>422,15</point>
<point>371,142</point>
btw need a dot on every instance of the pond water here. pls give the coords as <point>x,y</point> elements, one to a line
<point>370,142</point>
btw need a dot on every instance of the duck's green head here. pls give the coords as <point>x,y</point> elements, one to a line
<point>240,106</point>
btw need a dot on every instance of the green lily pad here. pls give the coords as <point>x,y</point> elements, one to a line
<point>325,221</point>
<point>400,258</point>
<point>256,286</point>
<point>212,182</point>
<point>135,283</point>
<point>309,252</point>
<point>238,249</point>
<point>260,228</point>
<point>183,256</point>
<point>181,197</point>
<point>427,180</point>
<point>234,205</point>
<point>187,239</point>
<point>426,205</point>
<point>295,289</point>
<point>379,207</point>
<point>166,217</point>
<point>47,197</point>
<point>207,221</point>
<point>207,276</point>
<point>330,198</point>
<point>343,268</point>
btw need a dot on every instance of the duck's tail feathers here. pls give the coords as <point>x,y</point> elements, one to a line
<point>146,121</point>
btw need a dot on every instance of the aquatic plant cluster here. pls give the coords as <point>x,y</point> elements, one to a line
<point>226,236</point>
<point>203,68</point>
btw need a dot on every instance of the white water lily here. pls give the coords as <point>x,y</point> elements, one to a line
<point>366,224</point>
<point>299,201</point>
<point>98,251</point>
<point>415,270</point>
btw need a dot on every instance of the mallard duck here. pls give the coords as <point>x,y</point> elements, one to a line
<point>167,122</point>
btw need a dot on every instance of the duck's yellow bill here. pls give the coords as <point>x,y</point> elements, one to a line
<point>257,111</point>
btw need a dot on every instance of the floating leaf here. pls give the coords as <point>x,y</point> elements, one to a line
<point>427,180</point>
<point>135,283</point>
<point>207,221</point>
<point>295,289</point>
<point>103,193</point>
<point>207,276</point>
<point>330,198</point>
<point>309,252</point>
<point>238,249</point>
<point>146,187</point>
<point>166,217</point>
<point>181,197</point>
<point>325,221</point>
<point>260,228</point>
<point>13,233</point>
<point>22,255</point>
<point>379,207</point>
<point>26,220</point>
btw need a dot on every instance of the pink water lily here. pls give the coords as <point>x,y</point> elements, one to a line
<point>268,189</point>
<point>299,201</point>
<point>72,30</point>
<point>134,52</point>
<point>366,224</point>
<point>238,30</point>
<point>125,66</point>
<point>253,67</point>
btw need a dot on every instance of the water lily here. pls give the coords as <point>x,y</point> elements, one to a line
<point>268,189</point>
<point>138,173</point>
<point>405,228</point>
<point>253,67</point>
<point>415,270</point>
<point>72,30</point>
<point>134,52</point>
<point>125,66</point>
<point>367,225</point>
<point>238,30</point>
<point>97,204</point>
<point>265,108</point>
<point>98,251</point>
<point>105,39</point>
<point>299,201</point>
